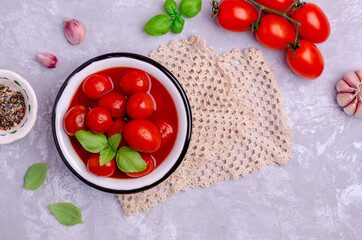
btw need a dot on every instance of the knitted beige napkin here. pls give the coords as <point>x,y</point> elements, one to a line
<point>239,124</point>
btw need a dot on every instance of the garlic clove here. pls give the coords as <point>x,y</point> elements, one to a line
<point>358,112</point>
<point>343,99</point>
<point>48,60</point>
<point>352,79</point>
<point>342,86</point>
<point>359,74</point>
<point>74,31</point>
<point>351,108</point>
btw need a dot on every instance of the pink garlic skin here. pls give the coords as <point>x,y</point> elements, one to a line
<point>74,31</point>
<point>350,93</point>
<point>48,60</point>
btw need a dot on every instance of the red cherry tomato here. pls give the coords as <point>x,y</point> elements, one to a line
<point>314,23</point>
<point>117,127</point>
<point>142,135</point>
<point>308,61</point>
<point>94,86</point>
<point>103,171</point>
<point>150,166</point>
<point>166,130</point>
<point>134,81</point>
<point>140,105</point>
<point>277,5</point>
<point>115,103</point>
<point>275,32</point>
<point>99,120</point>
<point>74,119</point>
<point>236,15</point>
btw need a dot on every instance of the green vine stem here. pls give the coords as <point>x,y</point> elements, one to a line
<point>215,8</point>
<point>296,3</point>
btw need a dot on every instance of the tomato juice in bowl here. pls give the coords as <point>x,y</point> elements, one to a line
<point>171,108</point>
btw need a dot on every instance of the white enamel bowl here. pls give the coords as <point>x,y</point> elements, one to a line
<point>16,83</point>
<point>70,157</point>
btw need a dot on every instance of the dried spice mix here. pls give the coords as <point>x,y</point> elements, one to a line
<point>12,108</point>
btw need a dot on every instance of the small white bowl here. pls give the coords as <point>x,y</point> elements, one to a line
<point>70,157</point>
<point>16,83</point>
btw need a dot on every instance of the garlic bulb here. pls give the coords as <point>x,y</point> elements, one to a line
<point>350,93</point>
<point>48,60</point>
<point>74,31</point>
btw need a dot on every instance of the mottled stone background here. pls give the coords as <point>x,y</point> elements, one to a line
<point>318,195</point>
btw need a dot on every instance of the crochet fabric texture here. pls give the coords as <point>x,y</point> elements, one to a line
<point>239,124</point>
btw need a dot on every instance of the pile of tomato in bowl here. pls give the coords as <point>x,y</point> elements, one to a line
<point>129,128</point>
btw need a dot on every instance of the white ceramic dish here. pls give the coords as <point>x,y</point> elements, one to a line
<point>71,158</point>
<point>16,83</point>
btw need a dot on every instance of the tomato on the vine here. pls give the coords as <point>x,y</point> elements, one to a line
<point>277,5</point>
<point>275,32</point>
<point>103,171</point>
<point>314,23</point>
<point>74,119</point>
<point>235,15</point>
<point>308,61</point>
<point>99,120</point>
<point>150,166</point>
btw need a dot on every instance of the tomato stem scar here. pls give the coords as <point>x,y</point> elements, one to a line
<point>296,4</point>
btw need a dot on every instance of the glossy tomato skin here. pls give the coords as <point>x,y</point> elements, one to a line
<point>106,170</point>
<point>134,81</point>
<point>74,120</point>
<point>277,5</point>
<point>166,130</point>
<point>99,120</point>
<point>315,26</point>
<point>95,85</point>
<point>142,135</point>
<point>117,127</point>
<point>308,61</point>
<point>150,166</point>
<point>236,15</point>
<point>140,105</point>
<point>115,103</point>
<point>275,32</point>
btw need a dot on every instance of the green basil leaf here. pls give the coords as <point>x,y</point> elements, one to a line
<point>170,7</point>
<point>114,140</point>
<point>91,142</point>
<point>35,176</point>
<point>66,213</point>
<point>106,155</point>
<point>190,8</point>
<point>178,24</point>
<point>158,25</point>
<point>129,160</point>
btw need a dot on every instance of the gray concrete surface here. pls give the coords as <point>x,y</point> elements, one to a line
<point>318,195</point>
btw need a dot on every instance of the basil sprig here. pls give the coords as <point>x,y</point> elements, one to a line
<point>128,159</point>
<point>161,23</point>
<point>66,213</point>
<point>98,143</point>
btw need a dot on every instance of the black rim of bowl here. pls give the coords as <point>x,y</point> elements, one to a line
<point>179,89</point>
